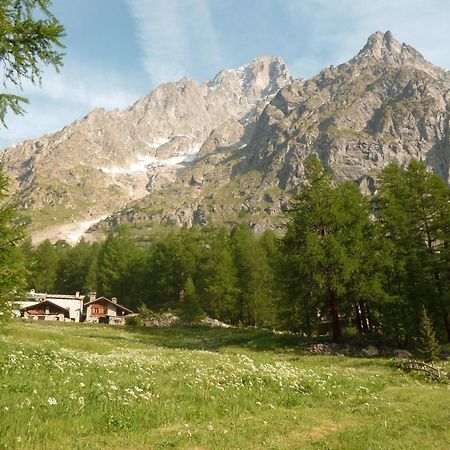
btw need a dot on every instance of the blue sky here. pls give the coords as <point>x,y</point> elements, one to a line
<point>119,50</point>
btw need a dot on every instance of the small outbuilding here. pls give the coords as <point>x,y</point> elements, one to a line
<point>104,310</point>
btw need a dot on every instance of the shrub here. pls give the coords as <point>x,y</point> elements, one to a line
<point>134,321</point>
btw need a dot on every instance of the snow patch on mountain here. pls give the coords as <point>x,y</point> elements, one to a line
<point>145,161</point>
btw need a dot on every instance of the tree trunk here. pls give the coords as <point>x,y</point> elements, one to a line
<point>447,323</point>
<point>337,332</point>
<point>367,321</point>
<point>308,318</point>
<point>358,319</point>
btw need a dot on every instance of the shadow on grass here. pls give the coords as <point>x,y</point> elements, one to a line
<point>101,338</point>
<point>214,339</point>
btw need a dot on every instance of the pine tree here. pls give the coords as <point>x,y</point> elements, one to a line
<point>218,275</point>
<point>413,210</point>
<point>12,272</point>
<point>191,310</point>
<point>255,278</point>
<point>118,262</point>
<point>90,282</point>
<point>44,267</point>
<point>428,343</point>
<point>325,239</point>
<point>166,269</point>
<point>73,268</point>
<point>28,38</point>
<point>28,34</point>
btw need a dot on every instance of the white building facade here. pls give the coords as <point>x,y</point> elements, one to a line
<point>72,303</point>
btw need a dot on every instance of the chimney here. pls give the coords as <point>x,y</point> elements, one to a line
<point>77,294</point>
<point>114,299</point>
<point>92,296</point>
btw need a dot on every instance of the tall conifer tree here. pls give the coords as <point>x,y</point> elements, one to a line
<point>12,273</point>
<point>325,239</point>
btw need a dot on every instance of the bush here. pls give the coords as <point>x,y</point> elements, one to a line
<point>145,313</point>
<point>134,321</point>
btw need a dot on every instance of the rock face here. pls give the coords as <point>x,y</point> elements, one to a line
<point>232,149</point>
<point>387,103</point>
<point>102,162</point>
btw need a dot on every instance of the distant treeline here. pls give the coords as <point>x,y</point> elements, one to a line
<point>370,263</point>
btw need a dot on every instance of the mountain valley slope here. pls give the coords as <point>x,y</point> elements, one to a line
<point>231,150</point>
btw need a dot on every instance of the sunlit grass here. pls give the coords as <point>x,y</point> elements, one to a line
<point>91,386</point>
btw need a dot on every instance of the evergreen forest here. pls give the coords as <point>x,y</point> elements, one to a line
<point>345,264</point>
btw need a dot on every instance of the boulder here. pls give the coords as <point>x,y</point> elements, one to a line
<point>370,351</point>
<point>402,354</point>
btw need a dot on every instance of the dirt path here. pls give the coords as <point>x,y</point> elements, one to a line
<point>71,232</point>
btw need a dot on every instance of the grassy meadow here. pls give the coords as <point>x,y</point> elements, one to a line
<point>81,386</point>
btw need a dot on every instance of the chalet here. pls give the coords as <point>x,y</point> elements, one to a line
<point>104,310</point>
<point>46,310</point>
<point>59,306</point>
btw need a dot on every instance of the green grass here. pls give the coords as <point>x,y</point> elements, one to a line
<point>80,386</point>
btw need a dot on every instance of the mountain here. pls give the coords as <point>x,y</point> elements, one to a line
<point>232,149</point>
<point>387,103</point>
<point>72,178</point>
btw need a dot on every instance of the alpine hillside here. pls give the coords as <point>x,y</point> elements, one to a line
<point>66,181</point>
<point>231,149</point>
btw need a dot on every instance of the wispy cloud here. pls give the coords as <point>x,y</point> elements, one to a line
<point>176,37</point>
<point>65,97</point>
<point>89,87</point>
<point>41,118</point>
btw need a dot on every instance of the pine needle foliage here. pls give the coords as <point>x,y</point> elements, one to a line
<point>428,343</point>
<point>191,310</point>
<point>29,40</point>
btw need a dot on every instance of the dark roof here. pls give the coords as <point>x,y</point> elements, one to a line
<point>108,300</point>
<point>45,302</point>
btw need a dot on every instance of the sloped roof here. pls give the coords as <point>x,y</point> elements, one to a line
<point>109,301</point>
<point>45,302</point>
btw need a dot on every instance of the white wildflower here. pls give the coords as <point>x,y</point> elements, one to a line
<point>52,401</point>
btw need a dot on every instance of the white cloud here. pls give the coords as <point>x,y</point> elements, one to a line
<point>175,36</point>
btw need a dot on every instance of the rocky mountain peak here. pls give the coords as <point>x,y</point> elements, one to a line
<point>384,48</point>
<point>262,76</point>
<point>380,43</point>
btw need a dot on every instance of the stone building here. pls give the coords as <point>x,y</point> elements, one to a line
<point>104,310</point>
